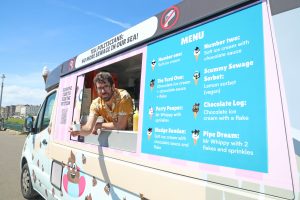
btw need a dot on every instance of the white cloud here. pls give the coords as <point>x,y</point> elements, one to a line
<point>122,24</point>
<point>23,89</point>
<point>92,14</point>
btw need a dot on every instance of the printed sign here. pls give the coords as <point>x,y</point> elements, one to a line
<point>205,98</point>
<point>132,36</point>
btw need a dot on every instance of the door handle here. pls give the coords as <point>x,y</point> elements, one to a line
<point>44,142</point>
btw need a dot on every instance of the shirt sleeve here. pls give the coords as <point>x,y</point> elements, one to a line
<point>125,106</point>
<point>94,107</point>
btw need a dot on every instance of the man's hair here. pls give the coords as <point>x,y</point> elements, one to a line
<point>103,77</point>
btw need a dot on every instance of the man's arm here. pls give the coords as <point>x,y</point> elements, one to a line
<point>121,124</point>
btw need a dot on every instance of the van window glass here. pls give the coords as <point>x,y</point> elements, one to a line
<point>45,113</point>
<point>39,118</point>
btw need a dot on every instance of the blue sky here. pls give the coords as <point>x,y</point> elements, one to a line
<point>36,33</point>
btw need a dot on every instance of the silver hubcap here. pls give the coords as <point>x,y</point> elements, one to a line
<point>26,181</point>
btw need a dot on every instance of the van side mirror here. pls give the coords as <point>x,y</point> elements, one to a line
<point>28,125</point>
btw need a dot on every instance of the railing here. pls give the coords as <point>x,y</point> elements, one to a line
<point>13,126</point>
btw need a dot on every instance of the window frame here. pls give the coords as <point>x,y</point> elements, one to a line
<point>106,136</point>
<point>41,116</point>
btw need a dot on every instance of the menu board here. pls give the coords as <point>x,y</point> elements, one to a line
<point>205,96</point>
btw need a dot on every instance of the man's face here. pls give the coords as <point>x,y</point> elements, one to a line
<point>105,90</point>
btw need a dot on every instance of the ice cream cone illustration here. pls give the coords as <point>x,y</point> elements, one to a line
<point>33,176</point>
<point>153,63</point>
<point>94,181</point>
<point>195,136</point>
<point>195,141</point>
<point>195,109</point>
<point>89,197</point>
<point>196,53</point>
<point>152,84</point>
<point>149,133</point>
<point>83,159</point>
<point>196,77</point>
<point>150,112</point>
<point>195,115</point>
<point>196,81</point>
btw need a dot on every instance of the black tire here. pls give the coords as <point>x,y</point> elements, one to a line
<point>26,185</point>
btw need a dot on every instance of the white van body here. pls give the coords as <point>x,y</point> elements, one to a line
<point>213,116</point>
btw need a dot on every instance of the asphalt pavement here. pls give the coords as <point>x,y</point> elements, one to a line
<point>11,144</point>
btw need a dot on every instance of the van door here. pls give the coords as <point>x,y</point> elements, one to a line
<point>40,157</point>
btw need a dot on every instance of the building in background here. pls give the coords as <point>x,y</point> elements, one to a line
<point>9,111</point>
<point>19,110</point>
<point>29,110</point>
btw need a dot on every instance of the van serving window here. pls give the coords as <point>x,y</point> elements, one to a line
<point>126,75</point>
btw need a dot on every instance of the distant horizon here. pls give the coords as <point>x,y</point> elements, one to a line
<point>21,105</point>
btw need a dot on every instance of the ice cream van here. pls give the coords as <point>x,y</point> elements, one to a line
<point>215,112</point>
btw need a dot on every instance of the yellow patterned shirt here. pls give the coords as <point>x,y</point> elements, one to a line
<point>122,105</point>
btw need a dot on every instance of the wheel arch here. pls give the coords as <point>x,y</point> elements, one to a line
<point>23,162</point>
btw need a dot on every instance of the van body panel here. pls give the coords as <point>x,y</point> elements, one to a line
<point>36,148</point>
<point>119,172</point>
<point>258,160</point>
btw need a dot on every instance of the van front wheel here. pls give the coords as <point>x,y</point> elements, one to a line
<point>26,185</point>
